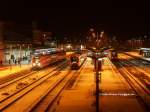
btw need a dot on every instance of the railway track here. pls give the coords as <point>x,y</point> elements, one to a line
<point>140,63</point>
<point>16,79</point>
<point>8,79</point>
<point>53,95</point>
<point>17,85</point>
<point>50,87</point>
<point>136,57</point>
<point>24,87</point>
<point>142,91</point>
<point>24,75</point>
<point>139,72</point>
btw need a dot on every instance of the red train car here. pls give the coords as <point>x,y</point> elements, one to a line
<point>113,55</point>
<point>45,57</point>
<point>76,60</point>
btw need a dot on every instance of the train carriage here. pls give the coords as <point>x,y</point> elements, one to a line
<point>113,55</point>
<point>45,57</point>
<point>76,60</point>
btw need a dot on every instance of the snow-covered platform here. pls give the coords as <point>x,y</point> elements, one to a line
<point>115,94</point>
<point>80,96</point>
<point>136,54</point>
<point>10,71</point>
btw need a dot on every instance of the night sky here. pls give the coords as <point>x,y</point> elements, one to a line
<point>124,19</point>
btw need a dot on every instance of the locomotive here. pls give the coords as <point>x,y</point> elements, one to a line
<point>113,55</point>
<point>44,57</point>
<point>76,60</point>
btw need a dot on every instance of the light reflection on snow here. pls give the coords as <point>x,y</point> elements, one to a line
<point>117,94</point>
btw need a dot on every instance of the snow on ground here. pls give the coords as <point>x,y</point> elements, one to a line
<point>134,53</point>
<point>79,98</point>
<point>12,73</point>
<point>28,100</point>
<point>115,96</point>
<point>13,69</point>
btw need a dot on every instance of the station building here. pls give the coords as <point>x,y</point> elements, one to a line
<point>17,41</point>
<point>14,46</point>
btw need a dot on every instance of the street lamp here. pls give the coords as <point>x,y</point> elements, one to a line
<point>91,29</point>
<point>98,40</point>
<point>97,65</point>
<point>101,35</point>
<point>82,47</point>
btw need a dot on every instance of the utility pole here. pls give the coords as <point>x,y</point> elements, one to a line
<point>97,64</point>
<point>97,86</point>
<point>98,67</point>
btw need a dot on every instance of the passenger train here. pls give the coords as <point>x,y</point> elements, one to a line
<point>145,52</point>
<point>113,55</point>
<point>44,57</point>
<point>77,59</point>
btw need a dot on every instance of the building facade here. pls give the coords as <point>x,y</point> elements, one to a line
<point>42,38</point>
<point>14,47</point>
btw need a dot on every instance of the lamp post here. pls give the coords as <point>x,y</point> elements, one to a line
<point>97,85</point>
<point>99,38</point>
<point>97,65</point>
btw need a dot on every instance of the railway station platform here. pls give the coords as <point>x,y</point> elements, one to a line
<point>7,70</point>
<point>115,94</point>
<point>12,69</point>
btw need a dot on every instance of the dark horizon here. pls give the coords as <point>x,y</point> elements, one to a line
<point>122,19</point>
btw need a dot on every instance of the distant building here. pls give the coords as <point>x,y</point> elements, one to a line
<point>42,38</point>
<point>1,42</point>
<point>13,45</point>
<point>135,43</point>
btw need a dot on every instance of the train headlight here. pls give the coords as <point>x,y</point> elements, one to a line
<point>34,64</point>
<point>39,64</point>
<point>74,62</point>
<point>99,59</point>
<point>82,59</point>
